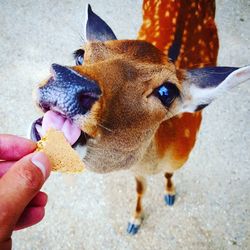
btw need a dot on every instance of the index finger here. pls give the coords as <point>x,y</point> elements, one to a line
<point>14,147</point>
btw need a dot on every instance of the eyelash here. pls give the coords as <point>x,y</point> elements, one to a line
<point>78,56</point>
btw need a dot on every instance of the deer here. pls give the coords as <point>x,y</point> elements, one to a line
<point>137,104</point>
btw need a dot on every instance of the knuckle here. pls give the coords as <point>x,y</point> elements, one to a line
<point>29,177</point>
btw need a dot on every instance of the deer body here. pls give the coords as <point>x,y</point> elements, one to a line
<point>130,99</point>
<point>171,27</point>
<point>190,28</point>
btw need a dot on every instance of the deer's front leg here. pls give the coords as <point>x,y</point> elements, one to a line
<point>169,196</point>
<point>135,222</point>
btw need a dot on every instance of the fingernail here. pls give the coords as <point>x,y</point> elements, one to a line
<point>40,160</point>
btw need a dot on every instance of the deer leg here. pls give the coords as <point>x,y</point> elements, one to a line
<point>135,222</point>
<point>169,196</point>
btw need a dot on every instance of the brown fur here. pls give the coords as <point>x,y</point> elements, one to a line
<point>124,70</point>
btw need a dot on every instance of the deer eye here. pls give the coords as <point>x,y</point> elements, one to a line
<point>78,55</point>
<point>167,93</point>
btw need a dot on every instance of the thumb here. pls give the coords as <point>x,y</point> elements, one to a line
<point>17,188</point>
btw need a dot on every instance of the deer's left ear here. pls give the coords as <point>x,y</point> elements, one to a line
<point>201,86</point>
<point>96,29</point>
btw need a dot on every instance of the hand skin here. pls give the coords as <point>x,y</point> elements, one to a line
<point>22,174</point>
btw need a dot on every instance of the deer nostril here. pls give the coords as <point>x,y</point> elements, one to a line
<point>86,100</point>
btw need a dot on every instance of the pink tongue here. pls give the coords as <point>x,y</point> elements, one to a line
<point>54,120</point>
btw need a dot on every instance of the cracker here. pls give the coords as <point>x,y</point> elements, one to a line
<point>60,153</point>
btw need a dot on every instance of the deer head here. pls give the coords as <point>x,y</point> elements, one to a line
<point>118,94</point>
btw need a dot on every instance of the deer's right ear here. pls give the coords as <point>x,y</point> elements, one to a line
<point>96,29</point>
<point>201,86</point>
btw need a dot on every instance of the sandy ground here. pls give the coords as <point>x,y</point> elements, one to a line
<point>91,211</point>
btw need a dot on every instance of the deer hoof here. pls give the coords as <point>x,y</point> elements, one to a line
<point>133,226</point>
<point>169,199</point>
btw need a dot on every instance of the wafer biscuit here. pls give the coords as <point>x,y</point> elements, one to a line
<point>62,156</point>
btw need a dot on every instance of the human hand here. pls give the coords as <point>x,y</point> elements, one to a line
<point>22,174</point>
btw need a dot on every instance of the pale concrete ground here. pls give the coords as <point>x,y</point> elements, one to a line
<point>212,207</point>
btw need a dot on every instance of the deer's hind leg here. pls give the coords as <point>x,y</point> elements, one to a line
<point>169,195</point>
<point>136,220</point>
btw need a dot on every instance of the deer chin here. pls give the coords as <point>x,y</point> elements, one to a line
<point>103,165</point>
<point>109,160</point>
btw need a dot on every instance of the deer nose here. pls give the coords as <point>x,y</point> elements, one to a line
<point>68,92</point>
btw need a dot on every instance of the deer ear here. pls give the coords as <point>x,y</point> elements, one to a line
<point>202,86</point>
<point>96,29</point>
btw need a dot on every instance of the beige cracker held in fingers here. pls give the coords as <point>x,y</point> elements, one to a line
<point>61,155</point>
